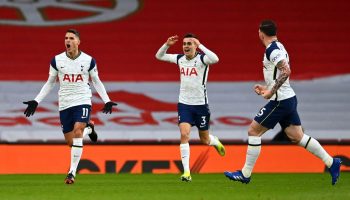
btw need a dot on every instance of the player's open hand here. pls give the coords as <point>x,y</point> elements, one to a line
<point>30,110</point>
<point>195,41</point>
<point>108,107</point>
<point>172,40</point>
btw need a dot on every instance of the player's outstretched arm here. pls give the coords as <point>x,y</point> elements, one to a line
<point>161,53</point>
<point>45,90</point>
<point>100,88</point>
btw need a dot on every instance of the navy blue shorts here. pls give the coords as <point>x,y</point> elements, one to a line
<point>74,114</point>
<point>196,115</point>
<point>283,112</point>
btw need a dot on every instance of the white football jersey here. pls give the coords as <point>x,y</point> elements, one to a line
<point>274,53</point>
<point>193,76</point>
<point>73,76</point>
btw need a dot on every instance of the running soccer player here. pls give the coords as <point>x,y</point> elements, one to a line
<point>281,108</point>
<point>193,108</point>
<point>73,69</point>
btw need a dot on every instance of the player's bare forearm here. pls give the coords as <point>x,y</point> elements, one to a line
<point>283,66</point>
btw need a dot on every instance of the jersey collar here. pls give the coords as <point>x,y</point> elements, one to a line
<point>79,53</point>
<point>271,43</point>
<point>195,55</point>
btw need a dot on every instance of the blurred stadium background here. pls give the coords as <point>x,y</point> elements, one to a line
<point>141,135</point>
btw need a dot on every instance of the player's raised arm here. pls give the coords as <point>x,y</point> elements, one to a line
<point>161,53</point>
<point>101,90</point>
<point>210,57</point>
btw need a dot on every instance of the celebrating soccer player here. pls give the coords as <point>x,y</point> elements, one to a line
<point>73,69</point>
<point>281,108</point>
<point>193,108</point>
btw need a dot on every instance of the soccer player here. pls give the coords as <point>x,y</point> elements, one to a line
<point>73,69</point>
<point>281,108</point>
<point>193,108</point>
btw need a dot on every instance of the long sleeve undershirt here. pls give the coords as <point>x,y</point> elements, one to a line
<point>98,85</point>
<point>50,83</point>
<point>47,87</point>
<point>209,58</point>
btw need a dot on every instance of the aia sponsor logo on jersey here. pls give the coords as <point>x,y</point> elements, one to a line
<point>73,78</point>
<point>188,71</point>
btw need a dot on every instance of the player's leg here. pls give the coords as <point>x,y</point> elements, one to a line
<point>185,129</point>
<point>202,122</point>
<point>70,135</point>
<point>265,119</point>
<point>80,116</point>
<point>255,131</point>
<point>69,138</point>
<point>211,140</point>
<point>90,131</point>
<point>75,138</point>
<point>295,133</point>
<point>67,123</point>
<point>185,123</point>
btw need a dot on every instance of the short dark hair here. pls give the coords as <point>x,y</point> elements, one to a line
<point>268,27</point>
<point>74,31</point>
<point>190,35</point>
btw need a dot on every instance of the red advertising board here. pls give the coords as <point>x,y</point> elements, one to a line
<point>52,159</point>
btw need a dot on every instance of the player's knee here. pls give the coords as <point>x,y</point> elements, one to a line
<point>78,132</point>
<point>295,135</point>
<point>252,131</point>
<point>294,139</point>
<point>185,134</point>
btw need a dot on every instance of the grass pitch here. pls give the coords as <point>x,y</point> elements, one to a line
<point>169,186</point>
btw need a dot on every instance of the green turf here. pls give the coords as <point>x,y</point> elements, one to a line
<point>169,186</point>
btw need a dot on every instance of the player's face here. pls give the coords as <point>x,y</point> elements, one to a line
<point>71,42</point>
<point>189,47</point>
